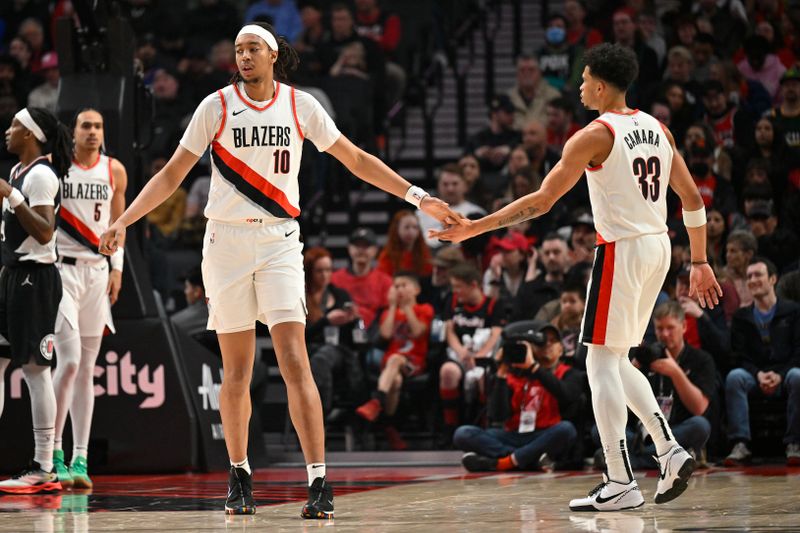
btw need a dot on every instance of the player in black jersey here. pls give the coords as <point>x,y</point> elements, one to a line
<point>30,285</point>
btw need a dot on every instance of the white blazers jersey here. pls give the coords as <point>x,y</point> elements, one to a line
<point>85,213</point>
<point>256,149</point>
<point>628,191</point>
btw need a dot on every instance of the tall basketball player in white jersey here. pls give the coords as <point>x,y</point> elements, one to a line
<point>92,197</point>
<point>252,252</point>
<point>629,158</point>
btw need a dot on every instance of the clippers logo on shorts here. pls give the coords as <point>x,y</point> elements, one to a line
<point>85,208</point>
<point>258,153</point>
<point>628,191</point>
<point>46,347</point>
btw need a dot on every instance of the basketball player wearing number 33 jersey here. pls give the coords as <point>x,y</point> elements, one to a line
<point>252,252</point>
<point>629,159</point>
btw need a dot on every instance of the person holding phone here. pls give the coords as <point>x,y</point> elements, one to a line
<point>531,391</point>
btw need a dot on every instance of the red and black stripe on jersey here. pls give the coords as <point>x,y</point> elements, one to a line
<point>77,230</point>
<point>251,184</point>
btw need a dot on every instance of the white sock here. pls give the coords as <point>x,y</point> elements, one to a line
<point>68,349</point>
<point>315,471</point>
<point>3,365</point>
<point>610,413</point>
<point>244,465</point>
<point>641,400</point>
<point>82,408</point>
<point>43,410</point>
<point>58,444</point>
<point>79,451</point>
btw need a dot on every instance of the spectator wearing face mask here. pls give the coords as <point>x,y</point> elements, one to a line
<point>557,58</point>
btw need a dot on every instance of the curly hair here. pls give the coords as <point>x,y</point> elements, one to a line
<point>612,63</point>
<point>59,139</point>
<point>287,56</point>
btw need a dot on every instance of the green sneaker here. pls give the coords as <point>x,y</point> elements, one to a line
<point>80,474</point>
<point>61,469</point>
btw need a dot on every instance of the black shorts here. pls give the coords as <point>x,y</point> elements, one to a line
<point>29,298</point>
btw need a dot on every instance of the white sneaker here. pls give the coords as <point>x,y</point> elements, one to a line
<point>32,480</point>
<point>676,467</point>
<point>610,496</point>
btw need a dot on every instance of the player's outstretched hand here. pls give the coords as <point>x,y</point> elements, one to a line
<point>112,238</point>
<point>455,233</point>
<point>441,211</point>
<point>703,284</point>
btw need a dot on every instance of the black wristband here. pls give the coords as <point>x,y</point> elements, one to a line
<point>699,262</point>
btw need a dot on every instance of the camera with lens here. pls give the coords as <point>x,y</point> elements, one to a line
<point>647,354</point>
<point>514,337</point>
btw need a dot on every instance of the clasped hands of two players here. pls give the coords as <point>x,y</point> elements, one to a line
<point>114,236</point>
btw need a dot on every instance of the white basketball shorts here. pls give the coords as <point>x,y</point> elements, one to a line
<point>626,278</point>
<point>84,303</point>
<point>253,271</point>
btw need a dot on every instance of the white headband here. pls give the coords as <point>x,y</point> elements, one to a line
<point>26,119</point>
<point>261,32</point>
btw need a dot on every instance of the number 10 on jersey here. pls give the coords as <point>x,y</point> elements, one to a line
<point>648,173</point>
<point>281,162</point>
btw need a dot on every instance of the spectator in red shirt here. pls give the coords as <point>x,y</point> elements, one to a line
<point>405,248</point>
<point>367,286</point>
<point>560,123</point>
<point>578,33</point>
<point>406,326</point>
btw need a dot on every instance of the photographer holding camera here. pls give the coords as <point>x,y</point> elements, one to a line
<point>529,394</point>
<point>683,380</point>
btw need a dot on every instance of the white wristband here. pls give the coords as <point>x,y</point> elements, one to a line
<point>117,259</point>
<point>694,219</point>
<point>415,195</point>
<point>15,198</point>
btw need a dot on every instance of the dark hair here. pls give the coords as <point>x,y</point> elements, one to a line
<point>58,137</point>
<point>452,168</point>
<point>466,272</point>
<point>577,288</point>
<point>553,236</point>
<point>772,270</point>
<point>705,38</point>
<point>287,56</point>
<point>612,63</point>
<point>563,104</point>
<point>408,275</point>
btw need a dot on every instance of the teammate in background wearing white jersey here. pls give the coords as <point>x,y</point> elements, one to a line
<point>91,198</point>
<point>252,251</point>
<point>629,158</point>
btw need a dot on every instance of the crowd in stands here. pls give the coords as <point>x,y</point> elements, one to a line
<point>480,340</point>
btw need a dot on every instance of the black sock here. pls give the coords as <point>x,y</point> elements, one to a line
<point>381,397</point>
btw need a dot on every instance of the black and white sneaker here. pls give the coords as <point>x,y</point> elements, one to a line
<point>610,496</point>
<point>676,467</point>
<point>240,493</point>
<point>320,501</point>
<point>475,462</point>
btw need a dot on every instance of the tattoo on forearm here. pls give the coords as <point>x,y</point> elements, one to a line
<point>519,216</point>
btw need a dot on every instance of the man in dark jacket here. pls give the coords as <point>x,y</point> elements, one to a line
<point>530,399</point>
<point>706,329</point>
<point>765,339</point>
